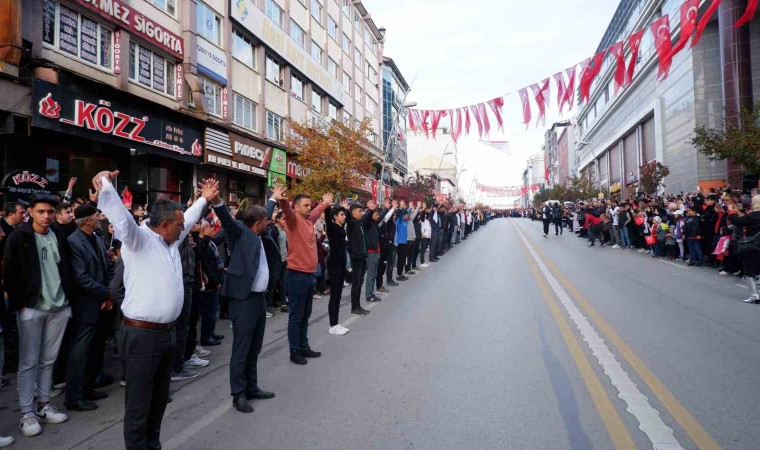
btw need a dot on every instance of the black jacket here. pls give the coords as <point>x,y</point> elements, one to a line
<point>357,241</point>
<point>245,248</point>
<point>90,277</point>
<point>337,237</point>
<point>21,267</point>
<point>204,255</point>
<point>371,231</point>
<point>750,222</point>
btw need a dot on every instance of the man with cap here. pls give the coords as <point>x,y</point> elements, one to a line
<point>38,280</point>
<point>91,296</point>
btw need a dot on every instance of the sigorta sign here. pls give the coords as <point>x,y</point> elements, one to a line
<point>106,117</point>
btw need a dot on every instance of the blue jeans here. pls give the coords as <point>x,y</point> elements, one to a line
<point>300,288</point>
<point>695,250</point>
<point>624,237</point>
<point>209,308</point>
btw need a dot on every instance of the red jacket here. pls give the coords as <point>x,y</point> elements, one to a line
<point>591,221</point>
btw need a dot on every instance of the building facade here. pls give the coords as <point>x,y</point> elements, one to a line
<point>654,121</point>
<point>395,90</point>
<point>556,152</point>
<point>534,178</point>
<point>172,91</point>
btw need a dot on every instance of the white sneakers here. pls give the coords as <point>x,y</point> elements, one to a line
<point>5,441</point>
<point>425,266</point>
<point>615,246</point>
<point>201,352</point>
<point>30,422</point>
<point>338,330</point>
<point>196,362</point>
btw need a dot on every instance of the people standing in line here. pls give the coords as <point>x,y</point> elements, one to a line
<point>546,217</point>
<point>154,298</point>
<point>246,284</point>
<point>751,261</point>
<point>212,276</point>
<point>425,233</point>
<point>302,265</point>
<point>387,214</point>
<point>435,232</point>
<point>357,250</point>
<point>39,284</point>
<point>282,244</point>
<point>390,237</point>
<point>270,237</point>
<point>692,231</point>
<point>91,296</point>
<point>411,237</point>
<point>415,244</point>
<point>371,223</point>
<point>336,264</point>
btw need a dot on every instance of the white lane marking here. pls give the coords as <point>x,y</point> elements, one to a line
<point>177,441</point>
<point>674,264</point>
<point>649,419</point>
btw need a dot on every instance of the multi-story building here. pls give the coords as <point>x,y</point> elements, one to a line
<point>534,176</point>
<point>395,90</point>
<point>556,152</point>
<point>654,121</point>
<point>171,91</point>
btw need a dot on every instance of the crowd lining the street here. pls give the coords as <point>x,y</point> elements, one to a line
<point>79,273</point>
<point>719,229</point>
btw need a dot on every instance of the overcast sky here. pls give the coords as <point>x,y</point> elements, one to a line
<point>463,53</point>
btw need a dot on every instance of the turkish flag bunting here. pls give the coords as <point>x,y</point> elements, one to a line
<point>424,122</point>
<point>704,21</point>
<point>496,105</point>
<point>617,52</point>
<point>587,77</point>
<point>541,94</point>
<point>435,118</point>
<point>526,106</point>
<point>661,31</point>
<point>749,13</point>
<point>466,120</point>
<point>484,118</point>
<point>459,122</point>
<point>689,11</point>
<point>634,42</point>
<point>476,113</point>
<point>414,120</point>
<point>570,89</point>
<point>559,78</point>
<point>453,125</point>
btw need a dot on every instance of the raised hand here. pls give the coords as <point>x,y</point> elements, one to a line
<point>327,199</point>
<point>344,203</point>
<point>210,190</point>
<point>72,182</point>
<point>97,184</point>
<point>371,205</point>
<point>94,195</point>
<point>387,203</point>
<point>278,193</point>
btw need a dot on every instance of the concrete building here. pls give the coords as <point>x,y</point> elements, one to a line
<point>654,121</point>
<point>209,83</point>
<point>395,90</point>
<point>534,176</point>
<point>556,151</point>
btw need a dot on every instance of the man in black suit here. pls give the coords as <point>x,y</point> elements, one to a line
<point>92,295</point>
<point>245,285</point>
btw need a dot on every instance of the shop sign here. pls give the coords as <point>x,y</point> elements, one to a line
<point>107,115</point>
<point>123,16</point>
<point>117,51</point>
<point>276,178</point>
<point>296,170</point>
<point>212,61</point>
<point>279,162</point>
<point>253,18</point>
<point>631,178</point>
<point>225,104</point>
<point>19,186</point>
<point>236,152</point>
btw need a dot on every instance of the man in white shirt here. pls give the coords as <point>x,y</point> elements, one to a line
<point>615,231</point>
<point>152,303</point>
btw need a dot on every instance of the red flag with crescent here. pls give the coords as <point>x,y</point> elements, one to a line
<point>496,105</point>
<point>559,78</point>
<point>704,20</point>
<point>634,42</point>
<point>526,106</point>
<point>689,11</point>
<point>541,94</point>
<point>570,88</point>
<point>662,42</point>
<point>616,50</point>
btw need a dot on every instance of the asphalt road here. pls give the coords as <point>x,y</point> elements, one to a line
<point>512,340</point>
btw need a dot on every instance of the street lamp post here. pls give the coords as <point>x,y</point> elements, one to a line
<point>438,172</point>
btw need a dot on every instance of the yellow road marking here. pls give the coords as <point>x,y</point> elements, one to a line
<point>691,426</point>
<point>607,412</point>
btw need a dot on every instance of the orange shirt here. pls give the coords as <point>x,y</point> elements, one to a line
<point>302,241</point>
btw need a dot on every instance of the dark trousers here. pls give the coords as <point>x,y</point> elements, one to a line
<point>183,327</point>
<point>209,308</point>
<point>149,357</point>
<point>274,283</point>
<point>337,274</point>
<point>403,251</point>
<point>411,262</point>
<point>558,226</point>
<point>381,269</point>
<point>358,269</point>
<point>81,370</point>
<point>192,329</point>
<point>300,288</point>
<point>282,297</point>
<point>434,237</point>
<point>389,262</point>
<point>546,225</point>
<point>248,323</point>
<point>467,230</point>
<point>424,242</point>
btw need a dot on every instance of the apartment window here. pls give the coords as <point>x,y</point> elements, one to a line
<point>77,35</point>
<point>371,73</point>
<point>209,24</point>
<point>316,52</point>
<point>347,118</point>
<point>332,67</point>
<point>316,102</point>
<point>166,5</point>
<point>357,17</point>
<point>367,35</point>
<point>151,70</point>
<point>296,87</point>
<point>244,112</point>
<point>273,71</point>
<point>274,126</point>
<point>316,10</point>
<point>346,44</point>
<point>357,57</point>
<point>371,105</point>
<point>358,94</point>
<point>347,8</point>
<point>212,96</point>
<point>332,111</point>
<point>274,12</point>
<point>297,34</point>
<point>332,28</point>
<point>347,82</point>
<point>243,50</point>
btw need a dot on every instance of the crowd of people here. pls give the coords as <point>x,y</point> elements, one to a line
<point>718,229</point>
<point>80,272</point>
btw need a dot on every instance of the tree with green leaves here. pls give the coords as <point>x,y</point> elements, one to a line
<point>739,143</point>
<point>652,177</point>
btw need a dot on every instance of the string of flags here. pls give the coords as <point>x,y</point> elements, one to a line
<point>463,118</point>
<point>506,191</point>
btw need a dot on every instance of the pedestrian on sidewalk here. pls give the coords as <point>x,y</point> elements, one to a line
<point>435,232</point>
<point>693,235</point>
<point>154,299</point>
<point>302,265</point>
<point>390,237</point>
<point>39,284</point>
<point>336,265</point>
<point>246,284</point>
<point>546,217</point>
<point>425,232</point>
<point>357,249</point>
